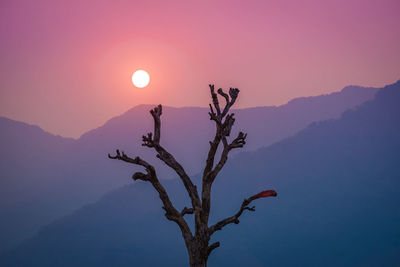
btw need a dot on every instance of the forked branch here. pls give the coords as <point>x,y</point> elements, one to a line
<point>187,210</point>
<point>171,212</point>
<point>137,161</point>
<point>245,206</point>
<point>153,141</point>
<point>224,123</point>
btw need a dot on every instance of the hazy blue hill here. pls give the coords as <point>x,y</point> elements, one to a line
<point>44,177</point>
<point>338,204</point>
<point>339,185</point>
<point>25,149</point>
<point>28,158</point>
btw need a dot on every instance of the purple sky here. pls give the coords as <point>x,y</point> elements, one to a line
<point>66,65</point>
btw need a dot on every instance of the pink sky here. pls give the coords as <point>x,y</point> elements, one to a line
<point>66,65</point>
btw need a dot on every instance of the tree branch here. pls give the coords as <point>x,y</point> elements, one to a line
<point>215,100</point>
<point>222,128</point>
<point>238,142</point>
<point>224,123</point>
<point>137,161</point>
<point>171,212</point>
<point>167,158</point>
<point>187,211</point>
<point>233,92</point>
<point>212,247</point>
<point>245,206</point>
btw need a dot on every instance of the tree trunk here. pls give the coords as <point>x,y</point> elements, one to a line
<point>198,254</point>
<point>197,260</point>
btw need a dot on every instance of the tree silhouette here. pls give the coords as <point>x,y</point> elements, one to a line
<point>197,244</point>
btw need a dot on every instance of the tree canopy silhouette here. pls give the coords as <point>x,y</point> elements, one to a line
<point>197,243</point>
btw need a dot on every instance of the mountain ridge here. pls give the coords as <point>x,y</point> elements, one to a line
<point>346,88</point>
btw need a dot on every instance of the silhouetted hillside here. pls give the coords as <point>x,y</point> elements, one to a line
<point>44,177</point>
<point>338,204</point>
<point>29,163</point>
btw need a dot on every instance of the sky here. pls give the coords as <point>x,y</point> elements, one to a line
<point>67,65</point>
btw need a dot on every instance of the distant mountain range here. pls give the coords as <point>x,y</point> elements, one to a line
<point>338,204</point>
<point>45,177</point>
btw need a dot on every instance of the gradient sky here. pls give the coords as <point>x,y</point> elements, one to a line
<point>66,65</point>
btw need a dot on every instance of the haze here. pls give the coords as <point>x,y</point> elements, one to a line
<point>67,66</point>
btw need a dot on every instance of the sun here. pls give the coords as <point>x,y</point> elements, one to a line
<point>140,78</point>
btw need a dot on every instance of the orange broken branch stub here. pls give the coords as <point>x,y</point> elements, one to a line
<point>267,193</point>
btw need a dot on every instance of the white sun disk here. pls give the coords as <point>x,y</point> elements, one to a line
<point>140,78</point>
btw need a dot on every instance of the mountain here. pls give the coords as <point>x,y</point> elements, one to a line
<point>338,205</point>
<point>45,177</point>
<point>26,150</point>
<point>192,128</point>
<point>29,158</point>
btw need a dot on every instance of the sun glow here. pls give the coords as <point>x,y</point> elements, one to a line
<point>140,78</point>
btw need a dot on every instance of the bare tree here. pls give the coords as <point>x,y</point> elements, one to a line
<point>197,244</point>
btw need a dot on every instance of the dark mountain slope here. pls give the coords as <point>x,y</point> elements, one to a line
<point>338,204</point>
<point>28,161</point>
<point>25,149</point>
